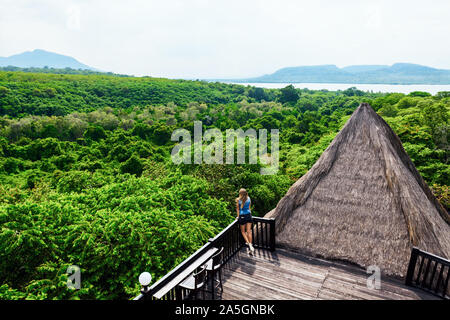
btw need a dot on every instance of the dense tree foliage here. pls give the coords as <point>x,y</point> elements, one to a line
<point>66,70</point>
<point>87,178</point>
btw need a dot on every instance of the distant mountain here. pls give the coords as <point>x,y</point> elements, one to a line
<point>41,58</point>
<point>399,73</point>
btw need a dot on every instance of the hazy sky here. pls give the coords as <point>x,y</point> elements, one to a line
<point>228,38</point>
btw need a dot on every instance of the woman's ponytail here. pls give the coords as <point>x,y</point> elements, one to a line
<point>243,196</point>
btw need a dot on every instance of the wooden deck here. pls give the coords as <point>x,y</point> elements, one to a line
<point>284,275</point>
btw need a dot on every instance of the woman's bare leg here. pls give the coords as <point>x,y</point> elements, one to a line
<point>244,233</point>
<point>248,230</point>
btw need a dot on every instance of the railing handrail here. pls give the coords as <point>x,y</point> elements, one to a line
<point>162,282</point>
<point>178,269</point>
<point>224,231</point>
<point>432,256</point>
<point>263,219</point>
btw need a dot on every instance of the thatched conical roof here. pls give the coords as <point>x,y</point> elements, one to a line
<point>363,201</point>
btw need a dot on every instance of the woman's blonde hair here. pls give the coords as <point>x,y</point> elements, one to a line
<point>243,195</point>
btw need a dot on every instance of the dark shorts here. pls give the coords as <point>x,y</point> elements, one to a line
<point>245,218</point>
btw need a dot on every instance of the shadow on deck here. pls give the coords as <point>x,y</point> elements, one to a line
<point>285,275</point>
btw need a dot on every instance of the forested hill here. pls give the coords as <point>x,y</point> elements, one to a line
<point>39,58</point>
<point>58,94</point>
<point>66,70</point>
<point>86,176</point>
<point>399,73</point>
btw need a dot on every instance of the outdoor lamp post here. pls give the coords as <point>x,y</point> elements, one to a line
<point>144,279</point>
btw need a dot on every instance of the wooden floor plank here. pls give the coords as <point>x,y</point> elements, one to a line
<point>282,274</point>
<point>387,288</point>
<point>285,275</point>
<point>264,284</point>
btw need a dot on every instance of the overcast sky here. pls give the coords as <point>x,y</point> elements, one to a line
<point>228,38</point>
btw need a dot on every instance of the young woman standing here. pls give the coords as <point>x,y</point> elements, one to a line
<point>244,217</point>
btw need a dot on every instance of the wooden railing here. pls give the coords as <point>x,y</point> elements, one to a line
<point>263,233</point>
<point>429,272</point>
<point>230,238</point>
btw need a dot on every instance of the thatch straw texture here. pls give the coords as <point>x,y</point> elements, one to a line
<point>363,201</point>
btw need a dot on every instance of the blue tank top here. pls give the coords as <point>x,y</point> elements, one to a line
<point>245,208</point>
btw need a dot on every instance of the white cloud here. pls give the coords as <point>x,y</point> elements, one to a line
<point>201,38</point>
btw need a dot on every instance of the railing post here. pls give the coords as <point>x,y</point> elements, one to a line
<point>272,234</point>
<point>178,295</point>
<point>411,266</point>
